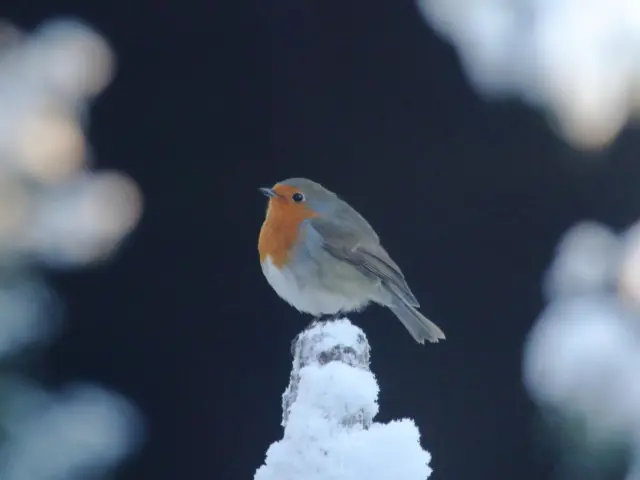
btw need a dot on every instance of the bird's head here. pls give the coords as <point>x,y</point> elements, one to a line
<point>299,198</point>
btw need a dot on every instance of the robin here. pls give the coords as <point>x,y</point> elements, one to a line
<point>323,258</point>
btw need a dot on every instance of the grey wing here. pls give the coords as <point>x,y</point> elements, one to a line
<point>345,241</point>
<point>346,214</point>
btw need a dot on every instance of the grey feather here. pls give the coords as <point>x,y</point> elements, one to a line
<point>346,242</point>
<point>329,205</point>
<point>419,326</point>
<point>352,259</point>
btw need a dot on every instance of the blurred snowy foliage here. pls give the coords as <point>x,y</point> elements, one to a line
<point>582,357</point>
<point>576,60</point>
<point>328,411</point>
<point>54,212</point>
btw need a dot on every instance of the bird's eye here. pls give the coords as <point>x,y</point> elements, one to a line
<point>298,197</point>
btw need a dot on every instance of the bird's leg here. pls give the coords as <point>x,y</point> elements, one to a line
<point>294,342</point>
<point>323,318</point>
<point>314,321</point>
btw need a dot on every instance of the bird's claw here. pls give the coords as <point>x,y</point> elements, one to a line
<point>314,321</point>
<point>323,318</point>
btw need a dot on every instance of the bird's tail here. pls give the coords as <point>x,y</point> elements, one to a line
<point>420,327</point>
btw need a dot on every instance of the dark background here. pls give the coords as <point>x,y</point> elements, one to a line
<point>214,99</point>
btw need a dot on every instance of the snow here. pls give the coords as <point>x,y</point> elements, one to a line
<point>328,416</point>
<point>55,210</point>
<point>575,60</point>
<point>582,356</point>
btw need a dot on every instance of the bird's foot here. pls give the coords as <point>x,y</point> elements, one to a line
<point>329,318</point>
<point>314,321</point>
<point>294,342</point>
<point>323,318</point>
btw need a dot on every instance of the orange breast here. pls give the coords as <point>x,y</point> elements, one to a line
<point>281,229</point>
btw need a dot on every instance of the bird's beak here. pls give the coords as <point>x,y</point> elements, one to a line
<point>268,192</point>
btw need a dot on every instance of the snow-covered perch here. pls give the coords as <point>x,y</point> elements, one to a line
<point>328,410</point>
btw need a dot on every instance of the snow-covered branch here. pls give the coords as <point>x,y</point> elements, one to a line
<point>328,412</point>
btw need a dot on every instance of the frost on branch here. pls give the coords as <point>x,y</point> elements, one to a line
<point>319,346</point>
<point>328,412</point>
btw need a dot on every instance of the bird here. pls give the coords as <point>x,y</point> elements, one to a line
<point>323,258</point>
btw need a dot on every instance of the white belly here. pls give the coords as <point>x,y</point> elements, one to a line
<point>304,298</point>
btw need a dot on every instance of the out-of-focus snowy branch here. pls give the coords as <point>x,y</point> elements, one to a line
<point>582,357</point>
<point>576,60</point>
<point>328,412</point>
<point>54,211</point>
